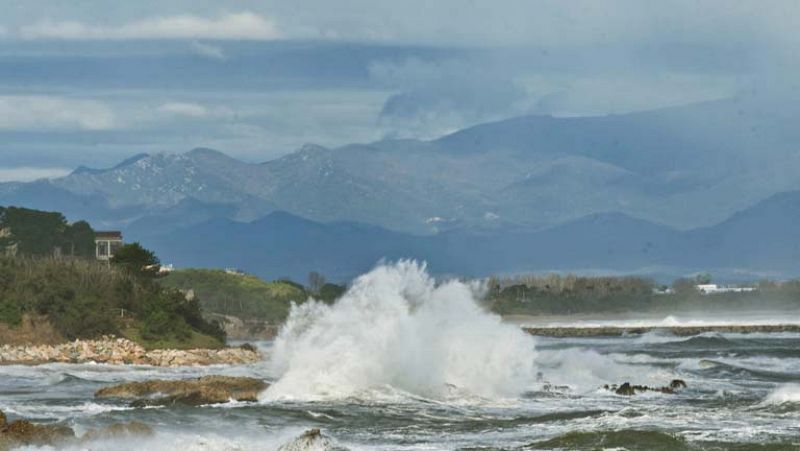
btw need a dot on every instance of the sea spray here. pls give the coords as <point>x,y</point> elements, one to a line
<point>784,394</point>
<point>396,329</point>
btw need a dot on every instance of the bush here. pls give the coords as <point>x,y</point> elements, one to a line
<point>84,299</point>
<point>10,313</point>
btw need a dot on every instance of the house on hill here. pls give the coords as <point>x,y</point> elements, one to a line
<point>107,243</point>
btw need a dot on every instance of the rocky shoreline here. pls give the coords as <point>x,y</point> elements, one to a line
<point>681,331</point>
<point>119,351</point>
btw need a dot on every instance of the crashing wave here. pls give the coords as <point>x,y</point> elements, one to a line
<point>397,327</point>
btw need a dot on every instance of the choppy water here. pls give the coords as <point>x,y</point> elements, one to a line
<point>383,376</point>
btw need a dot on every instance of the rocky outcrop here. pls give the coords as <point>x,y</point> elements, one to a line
<point>204,390</point>
<point>311,440</point>
<point>24,433</point>
<point>118,351</point>
<point>627,389</point>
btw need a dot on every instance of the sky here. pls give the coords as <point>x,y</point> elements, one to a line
<point>91,82</point>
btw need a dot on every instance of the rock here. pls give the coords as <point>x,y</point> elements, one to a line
<point>119,430</point>
<point>3,420</point>
<point>311,440</point>
<point>677,383</point>
<point>626,389</point>
<point>248,347</point>
<point>204,390</point>
<point>118,351</point>
<point>23,432</point>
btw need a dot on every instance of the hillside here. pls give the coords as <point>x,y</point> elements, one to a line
<point>241,295</point>
<point>53,288</point>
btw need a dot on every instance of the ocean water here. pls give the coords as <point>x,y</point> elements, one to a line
<point>405,363</point>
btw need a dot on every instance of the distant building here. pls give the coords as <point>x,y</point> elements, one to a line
<point>107,243</point>
<point>712,288</point>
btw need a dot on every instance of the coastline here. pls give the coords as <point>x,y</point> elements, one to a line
<point>120,351</point>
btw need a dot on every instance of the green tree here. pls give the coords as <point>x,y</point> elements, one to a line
<point>79,240</point>
<point>330,292</point>
<point>137,260</point>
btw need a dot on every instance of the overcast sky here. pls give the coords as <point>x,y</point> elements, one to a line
<point>93,82</point>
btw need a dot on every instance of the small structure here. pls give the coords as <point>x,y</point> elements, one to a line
<point>106,244</point>
<point>712,288</point>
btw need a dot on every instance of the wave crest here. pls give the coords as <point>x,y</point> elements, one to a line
<point>397,327</point>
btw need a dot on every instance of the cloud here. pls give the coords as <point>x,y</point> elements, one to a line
<point>436,97</point>
<point>208,51</point>
<point>48,113</point>
<point>184,109</point>
<point>240,26</point>
<point>27,174</point>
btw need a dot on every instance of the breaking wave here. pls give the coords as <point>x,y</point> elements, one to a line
<point>397,330</point>
<point>784,394</point>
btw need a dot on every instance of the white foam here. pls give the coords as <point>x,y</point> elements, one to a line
<point>396,327</point>
<point>787,393</point>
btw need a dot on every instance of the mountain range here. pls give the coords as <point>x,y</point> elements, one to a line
<point>655,189</point>
<point>757,242</point>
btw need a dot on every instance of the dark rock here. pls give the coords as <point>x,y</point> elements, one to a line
<point>312,439</point>
<point>626,389</point>
<point>204,390</point>
<point>248,347</point>
<point>677,383</point>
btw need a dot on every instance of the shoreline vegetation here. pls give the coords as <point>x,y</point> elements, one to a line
<point>56,295</point>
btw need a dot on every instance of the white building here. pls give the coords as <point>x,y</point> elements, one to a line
<point>712,288</point>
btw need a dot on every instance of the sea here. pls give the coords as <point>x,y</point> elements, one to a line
<point>407,362</point>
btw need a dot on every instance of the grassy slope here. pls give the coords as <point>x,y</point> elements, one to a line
<point>244,296</point>
<point>196,341</point>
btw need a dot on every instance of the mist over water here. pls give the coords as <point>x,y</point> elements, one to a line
<point>397,330</point>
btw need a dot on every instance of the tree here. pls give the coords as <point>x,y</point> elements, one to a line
<point>330,292</point>
<point>315,281</point>
<point>137,260</point>
<point>702,278</point>
<point>79,240</point>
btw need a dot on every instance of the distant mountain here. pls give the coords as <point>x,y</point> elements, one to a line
<point>685,167</point>
<point>759,240</point>
<point>283,245</point>
<point>765,236</point>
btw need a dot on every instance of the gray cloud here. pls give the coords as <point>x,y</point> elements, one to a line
<point>259,78</point>
<point>36,112</point>
<point>27,174</point>
<point>243,25</point>
<point>438,96</point>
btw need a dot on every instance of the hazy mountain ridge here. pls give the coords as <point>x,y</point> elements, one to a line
<point>686,167</point>
<point>284,245</point>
